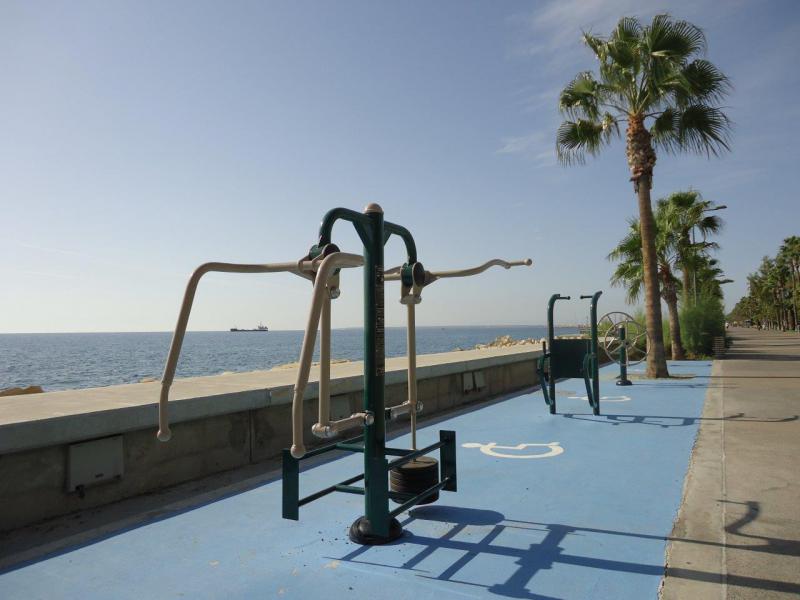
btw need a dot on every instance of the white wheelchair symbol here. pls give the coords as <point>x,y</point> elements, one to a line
<point>554,449</point>
<point>603,398</point>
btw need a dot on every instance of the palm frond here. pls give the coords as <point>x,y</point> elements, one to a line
<point>701,81</point>
<point>580,98</point>
<point>664,130</point>
<point>697,128</point>
<point>674,40</point>
<point>575,139</point>
<point>703,129</point>
<point>596,44</point>
<point>709,224</point>
<point>628,30</point>
<point>622,46</point>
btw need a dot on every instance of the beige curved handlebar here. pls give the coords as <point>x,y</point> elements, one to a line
<point>411,300</point>
<point>319,297</point>
<point>298,268</point>
<point>497,262</point>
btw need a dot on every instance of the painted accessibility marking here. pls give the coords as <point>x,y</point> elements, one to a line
<point>554,449</point>
<point>604,398</point>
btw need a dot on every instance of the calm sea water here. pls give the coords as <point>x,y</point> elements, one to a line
<point>59,361</point>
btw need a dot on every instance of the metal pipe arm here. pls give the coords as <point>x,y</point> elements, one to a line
<point>298,268</point>
<point>326,269</point>
<point>432,276</point>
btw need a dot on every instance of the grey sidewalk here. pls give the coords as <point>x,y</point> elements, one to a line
<point>738,531</point>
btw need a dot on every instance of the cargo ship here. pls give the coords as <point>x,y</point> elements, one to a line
<point>261,327</point>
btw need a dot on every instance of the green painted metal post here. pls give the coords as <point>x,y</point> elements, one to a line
<point>551,336</point>
<point>447,456</point>
<point>377,525</point>
<point>376,499</point>
<point>594,364</point>
<point>623,358</point>
<point>291,486</point>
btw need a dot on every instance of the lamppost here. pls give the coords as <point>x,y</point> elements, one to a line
<point>694,271</point>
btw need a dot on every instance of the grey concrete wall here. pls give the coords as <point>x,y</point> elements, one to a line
<point>32,481</point>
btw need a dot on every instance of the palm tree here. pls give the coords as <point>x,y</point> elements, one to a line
<point>710,277</point>
<point>789,255</point>
<point>630,270</point>
<point>652,78</point>
<point>688,211</point>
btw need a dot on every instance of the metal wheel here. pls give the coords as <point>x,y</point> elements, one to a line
<point>636,339</point>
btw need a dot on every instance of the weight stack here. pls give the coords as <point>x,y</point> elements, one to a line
<point>415,477</point>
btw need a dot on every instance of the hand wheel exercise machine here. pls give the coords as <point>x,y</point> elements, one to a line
<point>624,340</point>
<point>409,487</point>
<point>565,358</point>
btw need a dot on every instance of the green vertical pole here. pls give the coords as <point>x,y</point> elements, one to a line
<point>623,358</point>
<point>594,361</point>
<point>551,336</point>
<point>376,526</point>
<point>447,456</point>
<point>595,358</point>
<point>291,486</point>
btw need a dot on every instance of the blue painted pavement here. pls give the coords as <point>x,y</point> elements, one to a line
<point>588,520</point>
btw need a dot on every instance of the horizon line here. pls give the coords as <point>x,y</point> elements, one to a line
<point>282,330</point>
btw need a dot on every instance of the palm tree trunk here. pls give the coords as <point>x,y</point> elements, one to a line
<point>687,286</point>
<point>685,273</point>
<point>641,160</point>
<point>671,298</point>
<point>656,359</point>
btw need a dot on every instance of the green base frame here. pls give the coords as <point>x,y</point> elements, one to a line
<point>365,530</point>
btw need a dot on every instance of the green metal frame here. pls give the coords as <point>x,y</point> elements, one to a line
<point>570,358</point>
<point>378,525</point>
<point>623,357</point>
<point>447,471</point>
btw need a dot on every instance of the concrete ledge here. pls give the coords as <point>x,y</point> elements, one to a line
<point>28,422</point>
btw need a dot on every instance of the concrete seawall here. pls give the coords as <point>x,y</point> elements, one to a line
<point>220,423</point>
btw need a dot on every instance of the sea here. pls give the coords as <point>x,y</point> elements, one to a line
<point>61,361</point>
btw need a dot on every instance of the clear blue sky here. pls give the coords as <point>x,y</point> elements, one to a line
<point>140,139</point>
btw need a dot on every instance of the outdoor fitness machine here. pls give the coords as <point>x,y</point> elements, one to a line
<point>622,342</point>
<point>416,478</point>
<point>570,357</point>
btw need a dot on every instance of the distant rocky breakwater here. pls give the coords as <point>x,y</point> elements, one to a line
<point>506,341</point>
<point>18,391</point>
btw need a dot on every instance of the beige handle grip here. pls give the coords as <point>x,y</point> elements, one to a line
<point>326,269</point>
<point>164,433</point>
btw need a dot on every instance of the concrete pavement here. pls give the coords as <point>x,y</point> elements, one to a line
<point>549,507</point>
<point>738,532</point>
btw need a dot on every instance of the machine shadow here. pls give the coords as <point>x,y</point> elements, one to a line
<point>771,545</point>
<point>666,421</point>
<point>544,552</point>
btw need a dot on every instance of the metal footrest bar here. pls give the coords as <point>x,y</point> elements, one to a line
<point>329,490</point>
<point>393,464</point>
<point>397,451</point>
<point>350,447</point>
<point>331,447</point>
<point>350,489</point>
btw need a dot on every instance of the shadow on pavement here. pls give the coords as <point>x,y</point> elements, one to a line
<point>542,554</point>
<point>767,357</point>
<point>671,420</point>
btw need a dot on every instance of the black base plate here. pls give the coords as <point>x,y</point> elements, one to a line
<point>360,532</point>
<point>624,382</point>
